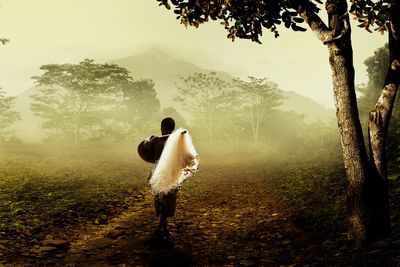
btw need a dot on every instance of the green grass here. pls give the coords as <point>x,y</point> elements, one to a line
<point>45,189</point>
<point>51,189</point>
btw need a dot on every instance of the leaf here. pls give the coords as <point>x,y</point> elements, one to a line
<point>298,20</point>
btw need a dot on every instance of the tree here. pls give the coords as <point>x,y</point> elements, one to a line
<point>72,98</point>
<point>7,116</point>
<point>204,96</point>
<point>140,103</point>
<point>370,92</point>
<point>141,99</point>
<point>385,14</point>
<point>245,19</point>
<point>261,96</point>
<point>376,71</point>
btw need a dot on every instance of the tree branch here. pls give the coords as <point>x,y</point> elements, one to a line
<point>314,21</point>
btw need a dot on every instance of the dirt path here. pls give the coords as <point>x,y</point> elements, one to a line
<point>223,219</point>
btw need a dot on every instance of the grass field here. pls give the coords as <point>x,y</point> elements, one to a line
<point>241,209</point>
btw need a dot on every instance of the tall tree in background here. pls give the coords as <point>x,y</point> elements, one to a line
<point>141,99</point>
<point>261,96</point>
<point>7,116</point>
<point>204,96</point>
<point>245,19</point>
<point>141,105</point>
<point>73,97</point>
<point>376,71</point>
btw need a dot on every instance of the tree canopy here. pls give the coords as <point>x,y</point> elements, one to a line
<point>8,116</point>
<point>246,19</point>
<point>203,95</point>
<point>259,96</point>
<point>73,97</point>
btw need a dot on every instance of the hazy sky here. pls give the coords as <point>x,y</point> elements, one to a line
<point>60,31</point>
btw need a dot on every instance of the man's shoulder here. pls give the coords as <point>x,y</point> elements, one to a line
<point>163,137</point>
<point>160,140</point>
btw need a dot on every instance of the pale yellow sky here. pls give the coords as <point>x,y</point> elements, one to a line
<point>60,31</point>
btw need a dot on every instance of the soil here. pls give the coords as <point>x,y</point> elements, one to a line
<point>226,218</point>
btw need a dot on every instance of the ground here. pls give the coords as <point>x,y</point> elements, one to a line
<point>225,220</point>
<point>244,215</point>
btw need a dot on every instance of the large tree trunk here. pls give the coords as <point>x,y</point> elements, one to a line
<point>379,118</point>
<point>352,141</point>
<point>337,38</point>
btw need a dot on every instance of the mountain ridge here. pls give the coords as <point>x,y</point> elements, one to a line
<point>164,69</point>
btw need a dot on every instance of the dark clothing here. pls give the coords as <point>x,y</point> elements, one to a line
<point>166,204</point>
<point>150,150</point>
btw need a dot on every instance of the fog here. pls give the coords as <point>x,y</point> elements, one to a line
<point>230,119</point>
<point>43,32</point>
<point>82,83</point>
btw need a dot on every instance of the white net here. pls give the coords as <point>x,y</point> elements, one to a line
<point>179,160</point>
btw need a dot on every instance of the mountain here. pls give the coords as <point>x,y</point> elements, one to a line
<point>164,69</point>
<point>304,105</point>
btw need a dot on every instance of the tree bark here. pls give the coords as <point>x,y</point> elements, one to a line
<point>379,118</point>
<point>352,140</point>
<point>337,37</point>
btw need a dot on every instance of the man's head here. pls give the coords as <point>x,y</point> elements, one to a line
<point>167,125</point>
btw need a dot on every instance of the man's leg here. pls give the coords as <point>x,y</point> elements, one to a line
<point>163,223</point>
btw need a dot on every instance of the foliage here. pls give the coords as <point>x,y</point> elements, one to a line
<point>245,19</point>
<point>141,106</point>
<point>377,66</point>
<point>7,115</point>
<point>259,98</point>
<point>208,99</point>
<point>242,19</point>
<point>141,100</point>
<point>73,97</point>
<point>370,12</point>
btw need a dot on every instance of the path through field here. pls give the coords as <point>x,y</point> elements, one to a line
<point>221,219</point>
<point>287,213</point>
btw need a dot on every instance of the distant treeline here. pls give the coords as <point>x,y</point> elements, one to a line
<point>89,101</point>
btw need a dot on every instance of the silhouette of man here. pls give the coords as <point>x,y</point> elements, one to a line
<point>150,150</point>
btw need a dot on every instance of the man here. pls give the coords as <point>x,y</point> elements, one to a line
<point>150,150</point>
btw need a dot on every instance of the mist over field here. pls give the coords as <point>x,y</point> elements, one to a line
<point>273,185</point>
<point>69,159</point>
